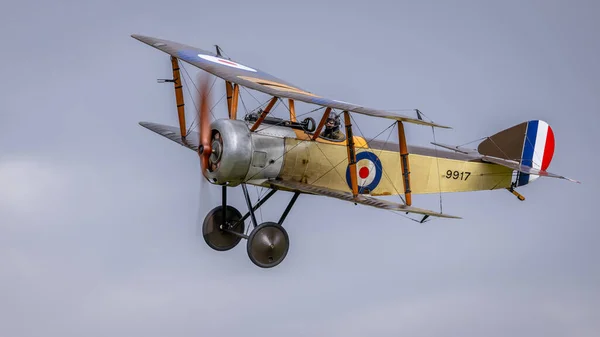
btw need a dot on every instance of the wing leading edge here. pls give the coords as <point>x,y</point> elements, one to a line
<point>258,80</point>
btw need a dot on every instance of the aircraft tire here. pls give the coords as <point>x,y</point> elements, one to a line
<point>214,236</point>
<point>268,245</point>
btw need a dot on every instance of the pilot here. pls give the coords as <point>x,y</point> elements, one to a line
<point>332,128</point>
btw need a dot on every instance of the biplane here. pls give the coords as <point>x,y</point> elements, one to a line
<point>285,154</point>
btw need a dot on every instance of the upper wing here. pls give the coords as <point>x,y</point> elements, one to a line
<point>361,199</point>
<point>258,80</point>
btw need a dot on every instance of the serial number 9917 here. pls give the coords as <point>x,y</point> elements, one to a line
<point>462,175</point>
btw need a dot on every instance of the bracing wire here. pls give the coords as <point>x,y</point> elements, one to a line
<point>381,168</point>
<point>437,161</point>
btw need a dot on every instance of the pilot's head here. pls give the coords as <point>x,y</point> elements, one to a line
<point>333,122</point>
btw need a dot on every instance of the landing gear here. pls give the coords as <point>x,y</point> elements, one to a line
<point>223,226</point>
<point>268,244</point>
<point>223,235</point>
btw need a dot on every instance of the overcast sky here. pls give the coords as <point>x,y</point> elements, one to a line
<point>98,215</point>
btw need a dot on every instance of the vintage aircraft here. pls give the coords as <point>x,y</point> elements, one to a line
<point>301,157</point>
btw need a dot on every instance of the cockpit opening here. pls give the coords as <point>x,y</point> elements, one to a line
<point>332,130</point>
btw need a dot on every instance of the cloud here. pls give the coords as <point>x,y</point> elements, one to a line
<point>474,311</point>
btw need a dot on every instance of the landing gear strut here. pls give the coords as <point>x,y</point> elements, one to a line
<point>268,242</point>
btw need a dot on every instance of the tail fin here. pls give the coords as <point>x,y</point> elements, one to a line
<point>530,144</point>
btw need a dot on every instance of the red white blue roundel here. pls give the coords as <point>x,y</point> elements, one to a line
<point>369,171</point>
<point>225,62</point>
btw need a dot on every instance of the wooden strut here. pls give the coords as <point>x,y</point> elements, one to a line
<point>292,110</point>
<point>404,163</point>
<point>229,90</point>
<point>234,101</point>
<point>179,96</point>
<point>321,124</point>
<point>264,114</point>
<point>351,154</point>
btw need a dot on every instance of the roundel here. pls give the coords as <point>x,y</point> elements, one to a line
<point>225,62</point>
<point>369,172</point>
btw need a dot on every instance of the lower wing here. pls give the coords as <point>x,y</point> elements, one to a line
<point>360,199</point>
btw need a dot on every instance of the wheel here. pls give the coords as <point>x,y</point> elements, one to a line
<point>215,237</point>
<point>268,244</point>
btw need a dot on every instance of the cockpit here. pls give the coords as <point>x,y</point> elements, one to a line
<point>331,131</point>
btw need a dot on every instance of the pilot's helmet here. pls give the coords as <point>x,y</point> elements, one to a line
<point>333,121</point>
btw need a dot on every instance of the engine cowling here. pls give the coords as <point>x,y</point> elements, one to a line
<point>239,155</point>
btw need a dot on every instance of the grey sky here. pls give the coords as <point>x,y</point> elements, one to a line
<point>98,215</point>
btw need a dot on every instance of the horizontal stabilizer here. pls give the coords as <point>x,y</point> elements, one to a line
<point>524,169</point>
<point>360,199</point>
<point>458,149</point>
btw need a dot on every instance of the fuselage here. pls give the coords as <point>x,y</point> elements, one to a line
<point>289,154</point>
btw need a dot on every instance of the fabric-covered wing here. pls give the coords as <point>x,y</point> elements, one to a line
<point>258,80</point>
<point>191,141</point>
<point>523,168</point>
<point>363,200</point>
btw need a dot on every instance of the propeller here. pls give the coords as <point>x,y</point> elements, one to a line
<point>204,148</point>
<point>209,194</point>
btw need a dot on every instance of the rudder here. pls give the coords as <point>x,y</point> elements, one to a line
<point>529,143</point>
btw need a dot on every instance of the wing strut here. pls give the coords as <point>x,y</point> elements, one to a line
<point>292,110</point>
<point>404,164</point>
<point>264,114</point>
<point>321,124</point>
<point>234,101</point>
<point>229,90</point>
<point>178,96</point>
<point>351,154</point>
<point>233,93</point>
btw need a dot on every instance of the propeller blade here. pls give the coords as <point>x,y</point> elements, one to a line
<point>204,150</point>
